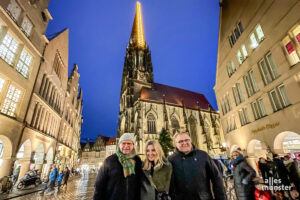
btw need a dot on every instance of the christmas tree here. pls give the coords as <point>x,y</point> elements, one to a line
<point>165,141</point>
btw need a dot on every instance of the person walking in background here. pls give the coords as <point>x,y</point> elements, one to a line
<point>157,173</point>
<point>66,177</point>
<point>60,178</point>
<point>279,170</point>
<point>243,175</point>
<point>16,173</point>
<point>51,180</point>
<point>265,168</point>
<point>293,171</point>
<point>193,172</point>
<point>119,177</point>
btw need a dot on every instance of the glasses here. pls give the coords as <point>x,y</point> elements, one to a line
<point>127,143</point>
<point>182,141</point>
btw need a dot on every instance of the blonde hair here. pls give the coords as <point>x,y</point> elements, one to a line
<point>160,155</point>
<point>179,133</point>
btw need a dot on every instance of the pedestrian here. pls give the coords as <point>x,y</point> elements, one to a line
<point>51,180</point>
<point>193,172</point>
<point>220,166</point>
<point>66,177</point>
<point>298,160</point>
<point>119,177</point>
<point>293,171</point>
<point>16,173</point>
<point>157,173</point>
<point>242,176</point>
<point>279,171</point>
<point>265,168</point>
<point>59,179</point>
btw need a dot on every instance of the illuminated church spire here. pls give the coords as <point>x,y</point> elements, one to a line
<point>137,34</point>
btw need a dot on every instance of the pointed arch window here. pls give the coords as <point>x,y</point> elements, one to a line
<point>193,130</point>
<point>175,125</point>
<point>151,124</point>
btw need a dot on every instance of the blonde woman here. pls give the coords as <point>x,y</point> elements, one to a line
<point>157,173</point>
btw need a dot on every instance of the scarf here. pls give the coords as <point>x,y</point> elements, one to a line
<point>127,162</point>
<point>237,159</point>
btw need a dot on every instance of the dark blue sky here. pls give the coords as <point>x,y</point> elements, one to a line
<point>182,36</point>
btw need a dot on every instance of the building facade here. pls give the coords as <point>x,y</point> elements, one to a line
<point>35,100</point>
<point>93,154</point>
<point>147,107</point>
<point>258,76</point>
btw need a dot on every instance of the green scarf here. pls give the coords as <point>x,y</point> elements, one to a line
<point>127,162</point>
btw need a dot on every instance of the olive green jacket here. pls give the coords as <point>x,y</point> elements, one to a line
<point>160,181</point>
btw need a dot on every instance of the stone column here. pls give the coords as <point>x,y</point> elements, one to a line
<point>25,165</point>
<point>7,164</point>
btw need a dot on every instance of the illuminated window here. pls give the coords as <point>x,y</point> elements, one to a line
<point>26,26</point>
<point>8,48</point>
<point>259,33</point>
<point>14,10</point>
<point>268,69</point>
<point>242,55</point>
<point>253,40</point>
<point>151,124</point>
<point>239,57</point>
<point>11,101</point>
<point>237,93</point>
<point>231,68</point>
<point>24,63</point>
<point>291,45</point>
<point>1,84</point>
<point>245,54</point>
<point>250,83</point>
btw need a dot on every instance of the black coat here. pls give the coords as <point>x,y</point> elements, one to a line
<point>111,184</point>
<point>243,171</point>
<point>192,175</point>
<point>280,171</point>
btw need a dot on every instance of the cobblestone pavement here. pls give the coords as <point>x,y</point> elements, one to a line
<point>78,189</point>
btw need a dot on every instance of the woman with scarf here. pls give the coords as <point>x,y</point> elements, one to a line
<point>157,173</point>
<point>243,175</point>
<point>119,177</point>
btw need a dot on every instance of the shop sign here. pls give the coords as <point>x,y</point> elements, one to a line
<point>267,126</point>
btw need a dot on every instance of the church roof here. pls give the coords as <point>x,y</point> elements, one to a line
<point>137,34</point>
<point>176,96</point>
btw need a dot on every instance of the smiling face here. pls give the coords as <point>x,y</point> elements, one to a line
<point>183,143</point>
<point>151,153</point>
<point>126,146</point>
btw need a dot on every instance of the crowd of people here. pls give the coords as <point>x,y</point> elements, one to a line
<point>189,173</point>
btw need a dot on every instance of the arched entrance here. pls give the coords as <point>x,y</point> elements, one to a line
<point>24,157</point>
<point>39,158</point>
<point>5,156</point>
<point>255,150</point>
<point>287,142</point>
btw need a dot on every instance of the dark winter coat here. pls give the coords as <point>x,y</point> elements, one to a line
<point>111,184</point>
<point>294,174</point>
<point>161,180</point>
<point>192,175</point>
<point>243,171</point>
<point>280,172</point>
<point>265,169</point>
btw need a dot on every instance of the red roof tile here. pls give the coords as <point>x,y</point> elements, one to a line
<point>111,141</point>
<point>175,96</point>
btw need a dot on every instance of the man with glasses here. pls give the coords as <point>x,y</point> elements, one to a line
<point>194,172</point>
<point>119,177</point>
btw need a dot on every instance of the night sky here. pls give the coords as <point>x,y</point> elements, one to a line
<point>182,36</point>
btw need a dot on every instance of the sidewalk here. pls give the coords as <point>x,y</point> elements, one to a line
<point>31,189</point>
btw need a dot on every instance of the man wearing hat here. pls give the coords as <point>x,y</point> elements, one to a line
<point>119,177</point>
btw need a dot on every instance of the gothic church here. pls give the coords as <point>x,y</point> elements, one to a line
<point>147,107</point>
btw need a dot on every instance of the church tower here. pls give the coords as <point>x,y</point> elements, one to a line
<point>137,72</point>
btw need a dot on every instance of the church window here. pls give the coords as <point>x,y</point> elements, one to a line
<point>175,125</point>
<point>193,130</point>
<point>151,123</point>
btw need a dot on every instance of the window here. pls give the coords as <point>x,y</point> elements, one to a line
<point>151,124</point>
<point>8,49</point>
<point>283,96</point>
<point>275,101</point>
<point>227,103</point>
<point>253,40</point>
<point>231,125</point>
<point>26,26</point>
<point>268,69</point>
<point>14,10</point>
<point>237,93</point>
<point>250,83</point>
<point>291,45</point>
<point>231,68</point>
<point>260,33</point>
<point>244,116</point>
<point>236,33</point>
<point>11,101</point>
<point>256,37</point>
<point>242,55</point>
<point>24,63</point>
<point>1,84</point>
<point>258,108</point>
